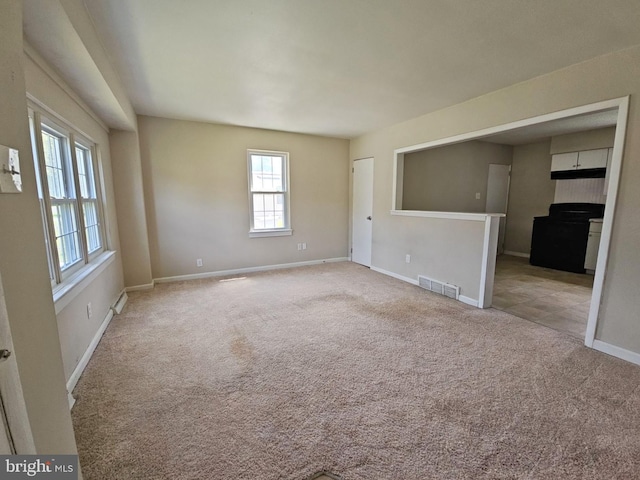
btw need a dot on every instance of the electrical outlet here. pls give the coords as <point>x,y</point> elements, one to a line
<point>304,246</point>
<point>299,246</point>
<point>89,310</point>
<point>198,262</point>
<point>407,258</point>
<point>478,196</point>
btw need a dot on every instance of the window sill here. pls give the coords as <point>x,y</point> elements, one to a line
<point>270,233</point>
<point>65,292</point>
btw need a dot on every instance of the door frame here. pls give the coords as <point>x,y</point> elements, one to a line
<point>503,220</point>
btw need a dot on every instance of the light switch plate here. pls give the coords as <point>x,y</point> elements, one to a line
<point>10,179</point>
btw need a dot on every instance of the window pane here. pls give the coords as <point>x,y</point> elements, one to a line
<point>92,225</point>
<point>52,147</point>
<point>277,174</point>
<point>258,211</point>
<point>66,231</point>
<point>85,172</point>
<point>256,173</point>
<point>267,173</point>
<point>268,211</point>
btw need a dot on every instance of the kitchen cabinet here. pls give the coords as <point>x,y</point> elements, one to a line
<point>593,245</point>
<point>564,161</point>
<point>593,158</point>
<point>583,164</point>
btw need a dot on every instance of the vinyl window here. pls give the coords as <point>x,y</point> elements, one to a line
<point>268,193</point>
<point>70,201</point>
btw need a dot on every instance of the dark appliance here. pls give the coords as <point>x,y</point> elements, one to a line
<point>559,240</point>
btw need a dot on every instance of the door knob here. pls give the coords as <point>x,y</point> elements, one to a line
<point>369,217</point>
<point>4,354</point>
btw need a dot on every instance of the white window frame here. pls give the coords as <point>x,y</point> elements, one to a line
<point>63,280</point>
<point>270,232</point>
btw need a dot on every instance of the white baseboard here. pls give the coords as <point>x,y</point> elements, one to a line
<point>619,352</point>
<point>516,254</point>
<point>468,300</point>
<point>84,361</point>
<point>394,275</point>
<point>137,288</point>
<point>264,268</point>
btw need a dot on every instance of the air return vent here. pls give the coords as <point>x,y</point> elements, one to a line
<point>451,291</point>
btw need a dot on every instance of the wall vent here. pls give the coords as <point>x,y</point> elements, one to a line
<point>441,288</point>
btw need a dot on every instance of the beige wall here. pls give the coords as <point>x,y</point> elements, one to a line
<point>76,331</point>
<point>195,180</point>
<point>587,140</point>
<point>603,78</point>
<point>530,194</point>
<point>446,179</point>
<point>129,196</point>
<point>23,261</point>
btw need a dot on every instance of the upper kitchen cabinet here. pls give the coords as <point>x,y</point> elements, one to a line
<point>593,158</point>
<point>564,161</point>
<point>584,164</point>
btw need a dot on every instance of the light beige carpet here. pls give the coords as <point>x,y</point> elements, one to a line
<point>341,369</point>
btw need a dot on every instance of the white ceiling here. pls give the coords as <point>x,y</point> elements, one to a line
<point>343,67</point>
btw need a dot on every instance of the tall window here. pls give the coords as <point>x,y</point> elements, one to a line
<point>70,202</point>
<point>269,193</point>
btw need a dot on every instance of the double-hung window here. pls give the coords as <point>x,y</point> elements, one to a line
<point>268,193</point>
<point>69,196</point>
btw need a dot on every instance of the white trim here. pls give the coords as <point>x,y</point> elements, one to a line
<point>516,254</point>
<point>286,191</point>
<point>485,132</point>
<point>489,253</point>
<point>607,222</point>
<point>222,273</point>
<point>137,288</point>
<point>475,217</point>
<point>484,266</point>
<point>84,361</point>
<point>468,300</point>
<point>270,233</point>
<point>70,288</point>
<point>619,352</point>
<point>398,153</point>
<point>395,275</point>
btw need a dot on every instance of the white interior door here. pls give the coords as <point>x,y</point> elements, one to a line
<point>362,214</point>
<point>15,436</point>
<point>498,196</point>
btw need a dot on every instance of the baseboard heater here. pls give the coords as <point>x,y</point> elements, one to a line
<point>435,286</point>
<point>117,308</point>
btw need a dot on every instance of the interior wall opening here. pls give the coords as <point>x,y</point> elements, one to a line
<point>563,172</point>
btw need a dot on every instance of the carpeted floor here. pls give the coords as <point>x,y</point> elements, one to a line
<point>337,368</point>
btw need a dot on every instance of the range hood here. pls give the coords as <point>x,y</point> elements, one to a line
<point>579,173</point>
